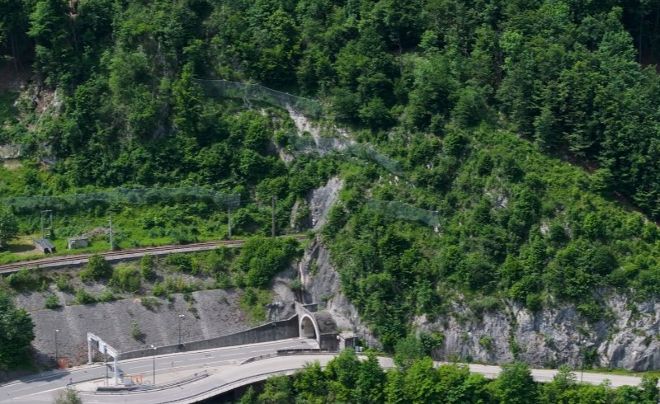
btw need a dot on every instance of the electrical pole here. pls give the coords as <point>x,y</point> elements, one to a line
<point>272,213</point>
<point>229,222</point>
<point>112,239</point>
<point>50,225</point>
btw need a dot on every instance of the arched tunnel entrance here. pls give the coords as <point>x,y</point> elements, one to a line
<point>308,328</point>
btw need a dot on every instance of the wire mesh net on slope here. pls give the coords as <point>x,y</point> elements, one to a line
<point>258,93</point>
<point>306,106</point>
<point>406,212</point>
<point>141,196</point>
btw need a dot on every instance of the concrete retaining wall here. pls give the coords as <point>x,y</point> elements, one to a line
<point>274,331</point>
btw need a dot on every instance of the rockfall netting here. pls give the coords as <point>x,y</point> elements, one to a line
<point>404,211</point>
<point>140,196</point>
<point>249,92</point>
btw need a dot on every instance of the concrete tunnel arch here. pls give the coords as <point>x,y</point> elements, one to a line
<point>309,328</point>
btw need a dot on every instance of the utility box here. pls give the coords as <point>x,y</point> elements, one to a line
<point>77,242</point>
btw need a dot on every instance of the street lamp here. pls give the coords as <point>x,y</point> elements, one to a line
<point>56,347</point>
<point>181,317</point>
<point>582,343</point>
<point>154,365</point>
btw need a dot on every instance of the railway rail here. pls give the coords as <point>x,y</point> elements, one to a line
<point>123,255</point>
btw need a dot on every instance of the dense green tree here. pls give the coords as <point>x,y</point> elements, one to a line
<point>8,226</point>
<point>515,385</point>
<point>16,333</point>
<point>278,390</point>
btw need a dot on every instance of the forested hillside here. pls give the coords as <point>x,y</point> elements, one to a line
<point>529,129</point>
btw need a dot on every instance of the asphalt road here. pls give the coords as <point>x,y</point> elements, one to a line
<point>225,374</point>
<point>44,387</point>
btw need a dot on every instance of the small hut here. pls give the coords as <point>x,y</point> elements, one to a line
<point>44,245</point>
<point>77,242</point>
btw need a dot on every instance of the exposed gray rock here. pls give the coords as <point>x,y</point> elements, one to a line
<point>552,336</point>
<point>10,152</point>
<point>322,199</point>
<point>340,140</point>
<point>321,285</point>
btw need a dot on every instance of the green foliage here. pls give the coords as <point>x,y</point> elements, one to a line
<point>261,258</point>
<point>150,303</point>
<point>68,396</point>
<point>8,226</point>
<point>465,95</point>
<point>347,379</point>
<point>63,284</point>
<point>173,284</point>
<point>407,351</point>
<point>278,390</point>
<point>84,297</point>
<point>27,280</point>
<point>515,385</point>
<point>147,267</point>
<point>16,333</point>
<point>52,302</point>
<point>106,296</point>
<point>253,301</point>
<point>136,331</point>
<point>97,268</point>
<point>126,278</point>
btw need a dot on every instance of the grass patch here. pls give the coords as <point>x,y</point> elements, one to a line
<point>253,302</point>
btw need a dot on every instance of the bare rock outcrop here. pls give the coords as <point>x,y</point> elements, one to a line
<point>552,336</point>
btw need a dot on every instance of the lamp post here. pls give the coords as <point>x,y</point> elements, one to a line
<point>57,352</point>
<point>582,342</point>
<point>154,365</point>
<point>181,317</point>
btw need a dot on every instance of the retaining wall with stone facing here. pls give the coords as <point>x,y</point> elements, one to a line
<point>273,331</point>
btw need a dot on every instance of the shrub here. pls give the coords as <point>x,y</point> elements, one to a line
<point>431,341</point>
<point>24,280</point>
<point>486,341</point>
<point>181,262</point>
<point>97,268</point>
<point>261,258</point>
<point>126,278</point>
<point>150,303</point>
<point>82,297</point>
<point>136,332</point>
<point>68,396</point>
<point>106,296</point>
<point>159,289</point>
<point>253,302</point>
<point>52,302</point>
<point>147,267</point>
<point>173,285</point>
<point>63,284</point>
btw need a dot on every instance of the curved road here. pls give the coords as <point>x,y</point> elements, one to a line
<point>225,374</point>
<point>43,388</point>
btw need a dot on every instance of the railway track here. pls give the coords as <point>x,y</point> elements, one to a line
<point>80,259</point>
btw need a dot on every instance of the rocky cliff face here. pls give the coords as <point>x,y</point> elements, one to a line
<point>549,338</point>
<point>553,336</point>
<point>322,285</point>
